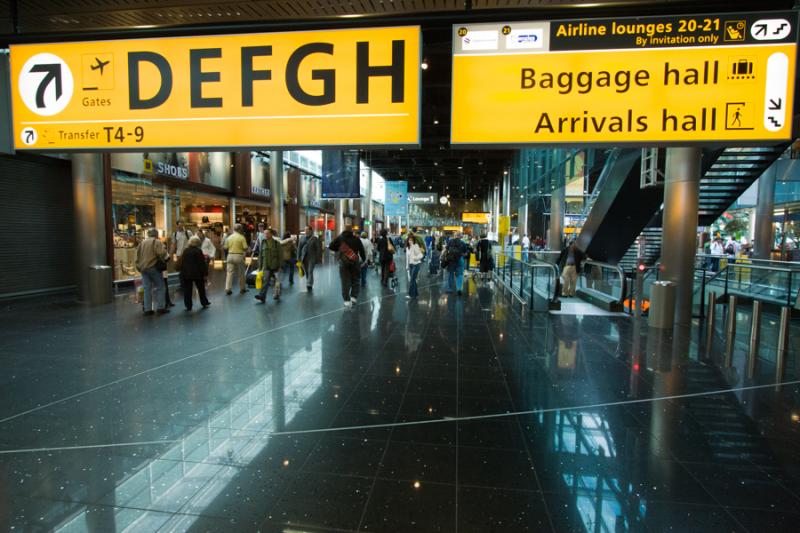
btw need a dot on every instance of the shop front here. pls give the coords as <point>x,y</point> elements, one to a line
<point>155,190</point>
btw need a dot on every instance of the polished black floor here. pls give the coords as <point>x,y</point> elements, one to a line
<point>444,413</point>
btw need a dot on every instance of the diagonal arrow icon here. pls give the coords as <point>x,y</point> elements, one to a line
<point>761,29</point>
<point>29,137</point>
<point>775,105</point>
<point>52,73</point>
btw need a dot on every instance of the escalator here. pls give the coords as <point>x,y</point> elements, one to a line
<point>620,208</point>
<point>623,212</point>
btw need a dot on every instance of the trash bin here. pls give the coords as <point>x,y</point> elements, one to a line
<point>662,304</point>
<point>100,283</point>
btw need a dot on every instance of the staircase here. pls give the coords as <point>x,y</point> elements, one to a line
<point>733,170</point>
<point>652,249</point>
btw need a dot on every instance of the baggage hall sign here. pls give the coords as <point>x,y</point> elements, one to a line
<point>315,89</point>
<point>653,80</point>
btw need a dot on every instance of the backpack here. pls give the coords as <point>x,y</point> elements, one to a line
<point>454,253</point>
<point>730,250</point>
<point>347,255</point>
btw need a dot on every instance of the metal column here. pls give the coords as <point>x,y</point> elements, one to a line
<point>556,231</point>
<point>522,224</point>
<point>764,231</point>
<point>368,211</point>
<point>681,192</point>
<point>232,219</point>
<point>507,194</point>
<point>90,223</point>
<point>495,210</point>
<point>276,189</point>
<point>338,213</point>
<point>6,132</point>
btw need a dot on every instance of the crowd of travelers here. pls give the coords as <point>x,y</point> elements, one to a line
<point>270,259</point>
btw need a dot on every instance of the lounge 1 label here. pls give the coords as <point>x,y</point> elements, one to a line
<point>655,80</point>
<point>316,88</point>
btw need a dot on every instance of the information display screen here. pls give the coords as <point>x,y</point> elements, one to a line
<point>651,80</point>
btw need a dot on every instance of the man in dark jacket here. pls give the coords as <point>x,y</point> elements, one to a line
<point>570,261</point>
<point>269,263</point>
<point>194,269</point>
<point>310,254</point>
<point>351,254</point>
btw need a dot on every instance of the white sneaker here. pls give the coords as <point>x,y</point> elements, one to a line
<point>348,305</point>
<point>353,301</point>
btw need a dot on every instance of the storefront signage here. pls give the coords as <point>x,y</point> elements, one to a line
<point>453,228</point>
<point>650,80</point>
<point>315,88</point>
<point>429,198</point>
<point>206,168</point>
<point>476,218</point>
<point>396,203</point>
<point>260,191</point>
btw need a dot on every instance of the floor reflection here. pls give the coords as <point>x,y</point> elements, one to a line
<point>446,413</point>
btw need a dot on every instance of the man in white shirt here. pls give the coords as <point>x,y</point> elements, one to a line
<point>180,239</point>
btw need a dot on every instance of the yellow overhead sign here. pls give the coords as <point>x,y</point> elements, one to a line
<point>300,89</point>
<point>659,80</point>
<point>475,218</point>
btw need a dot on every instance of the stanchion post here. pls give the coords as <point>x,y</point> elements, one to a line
<point>783,345</point>
<point>730,330</point>
<point>755,339</point>
<point>711,318</point>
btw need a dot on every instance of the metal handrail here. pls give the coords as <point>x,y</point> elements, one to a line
<point>753,294</point>
<point>620,272</point>
<point>511,260</point>
<point>601,179</point>
<point>758,267</point>
<point>789,264</point>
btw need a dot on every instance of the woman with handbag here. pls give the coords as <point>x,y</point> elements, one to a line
<point>194,269</point>
<point>386,251</point>
<point>151,261</point>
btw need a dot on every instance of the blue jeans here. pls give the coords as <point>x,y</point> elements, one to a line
<point>413,272</point>
<point>455,277</point>
<point>364,270</point>
<point>288,269</point>
<point>153,279</point>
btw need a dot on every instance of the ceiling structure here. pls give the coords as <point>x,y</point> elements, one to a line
<point>434,166</point>
<point>37,16</point>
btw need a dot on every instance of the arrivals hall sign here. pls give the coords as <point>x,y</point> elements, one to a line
<point>315,88</point>
<point>654,80</point>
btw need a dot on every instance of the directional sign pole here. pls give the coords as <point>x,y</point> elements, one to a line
<point>6,131</point>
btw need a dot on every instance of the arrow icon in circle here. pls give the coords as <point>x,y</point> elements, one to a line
<point>52,72</point>
<point>761,29</point>
<point>28,136</point>
<point>775,105</point>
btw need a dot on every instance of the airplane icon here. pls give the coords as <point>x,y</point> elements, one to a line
<point>100,65</point>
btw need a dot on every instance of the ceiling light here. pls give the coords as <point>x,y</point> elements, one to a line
<point>435,121</point>
<point>424,64</point>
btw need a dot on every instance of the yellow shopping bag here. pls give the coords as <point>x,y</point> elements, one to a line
<point>300,269</point>
<point>259,279</point>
